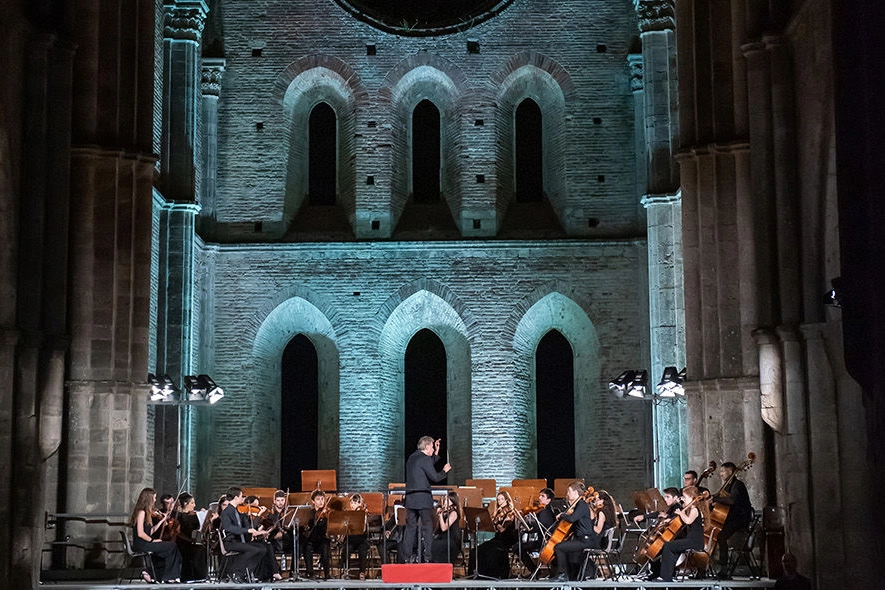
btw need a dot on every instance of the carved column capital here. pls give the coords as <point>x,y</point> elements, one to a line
<point>635,62</point>
<point>655,15</point>
<point>184,20</point>
<point>211,73</point>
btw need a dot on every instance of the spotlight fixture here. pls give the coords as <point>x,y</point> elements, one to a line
<point>638,387</point>
<point>213,393</point>
<point>835,295</point>
<point>162,389</point>
<point>195,393</point>
<point>619,386</point>
<point>671,383</point>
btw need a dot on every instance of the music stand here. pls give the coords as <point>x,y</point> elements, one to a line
<point>299,515</point>
<point>482,521</point>
<point>346,522</point>
<point>318,479</point>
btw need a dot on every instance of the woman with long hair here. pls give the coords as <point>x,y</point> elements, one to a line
<point>693,520</point>
<point>492,557</point>
<point>446,545</point>
<point>145,524</point>
<point>193,553</point>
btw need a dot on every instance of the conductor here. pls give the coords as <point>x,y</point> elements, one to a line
<point>420,474</point>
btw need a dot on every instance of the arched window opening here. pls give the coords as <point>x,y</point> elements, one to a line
<point>426,153</point>
<point>299,415</point>
<point>425,390</point>
<point>322,158</point>
<point>555,403</point>
<point>529,164</point>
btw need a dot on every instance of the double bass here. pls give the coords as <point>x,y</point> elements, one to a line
<point>563,530</point>
<point>719,512</point>
<point>665,532</point>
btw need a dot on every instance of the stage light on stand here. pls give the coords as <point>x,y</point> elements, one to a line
<point>639,386</point>
<point>671,383</point>
<point>163,390</point>
<point>195,393</point>
<point>213,393</point>
<point>619,385</point>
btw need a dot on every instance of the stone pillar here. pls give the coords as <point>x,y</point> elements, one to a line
<point>180,181</point>
<point>212,70</point>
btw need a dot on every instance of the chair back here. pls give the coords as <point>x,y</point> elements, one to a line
<point>126,544</point>
<point>608,539</point>
<point>221,548</point>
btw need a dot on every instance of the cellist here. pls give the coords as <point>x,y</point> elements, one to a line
<point>693,522</point>
<point>570,553</point>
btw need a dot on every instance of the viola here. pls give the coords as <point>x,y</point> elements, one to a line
<point>564,529</point>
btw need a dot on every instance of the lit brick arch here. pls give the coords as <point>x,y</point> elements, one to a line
<point>288,318</point>
<point>416,78</point>
<point>301,87</point>
<point>532,75</point>
<point>423,309</point>
<point>534,317</point>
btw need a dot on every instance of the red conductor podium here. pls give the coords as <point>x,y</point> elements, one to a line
<point>408,573</point>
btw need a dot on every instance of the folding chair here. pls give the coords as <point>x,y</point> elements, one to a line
<point>131,555</point>
<point>607,560</point>
<point>744,552</point>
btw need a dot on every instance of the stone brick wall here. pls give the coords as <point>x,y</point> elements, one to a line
<point>285,57</point>
<point>490,303</point>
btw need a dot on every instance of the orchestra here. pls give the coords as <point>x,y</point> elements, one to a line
<point>522,537</point>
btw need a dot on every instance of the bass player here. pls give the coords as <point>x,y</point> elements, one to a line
<point>734,495</point>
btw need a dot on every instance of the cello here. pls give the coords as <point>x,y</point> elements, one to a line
<point>719,511</point>
<point>665,533</point>
<point>563,530</point>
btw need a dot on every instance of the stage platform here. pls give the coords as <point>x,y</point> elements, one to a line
<point>634,584</point>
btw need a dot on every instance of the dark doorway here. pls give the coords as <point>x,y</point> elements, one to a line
<point>555,402</point>
<point>299,413</point>
<point>323,155</point>
<point>529,163</point>
<point>425,153</point>
<point>425,391</point>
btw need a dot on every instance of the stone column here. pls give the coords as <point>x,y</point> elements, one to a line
<point>212,70</point>
<point>180,182</point>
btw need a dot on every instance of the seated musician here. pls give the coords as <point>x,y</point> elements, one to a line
<point>540,523</point>
<point>281,537</point>
<point>235,531</point>
<point>314,539</point>
<point>213,520</point>
<point>690,479</point>
<point>393,536</point>
<point>359,543</point>
<point>492,557</point>
<point>193,551</point>
<point>446,546</point>
<point>146,522</point>
<point>733,494</point>
<point>586,527</point>
<point>671,495</point>
<point>693,537</point>
<point>257,518</point>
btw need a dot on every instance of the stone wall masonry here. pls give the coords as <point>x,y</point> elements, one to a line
<point>587,40</point>
<point>350,290</point>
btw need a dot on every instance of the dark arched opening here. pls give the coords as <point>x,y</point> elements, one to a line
<point>555,403</point>
<point>529,163</point>
<point>322,158</point>
<point>425,390</point>
<point>425,153</point>
<point>299,403</point>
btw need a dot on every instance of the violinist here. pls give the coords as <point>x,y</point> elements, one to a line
<point>540,522</point>
<point>280,537</point>
<point>570,553</point>
<point>234,531</point>
<point>446,545</point>
<point>314,535</point>
<point>359,543</point>
<point>252,514</point>
<point>145,524</point>
<point>733,494</point>
<point>193,553</point>
<point>167,508</point>
<point>693,537</point>
<point>491,558</point>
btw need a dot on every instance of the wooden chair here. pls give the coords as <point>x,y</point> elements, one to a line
<point>536,484</point>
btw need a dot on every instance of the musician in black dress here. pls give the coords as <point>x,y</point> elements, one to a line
<point>446,546</point>
<point>540,524</point>
<point>570,553</point>
<point>421,473</point>
<point>492,557</point>
<point>146,523</point>
<point>734,494</point>
<point>694,533</point>
<point>193,550</point>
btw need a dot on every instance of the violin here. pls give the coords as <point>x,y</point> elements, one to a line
<point>251,510</point>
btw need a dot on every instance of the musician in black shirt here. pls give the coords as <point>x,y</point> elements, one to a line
<point>570,553</point>
<point>540,525</point>
<point>733,494</point>
<point>421,473</point>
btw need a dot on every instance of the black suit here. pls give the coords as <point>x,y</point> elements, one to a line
<point>235,539</point>
<point>421,473</point>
